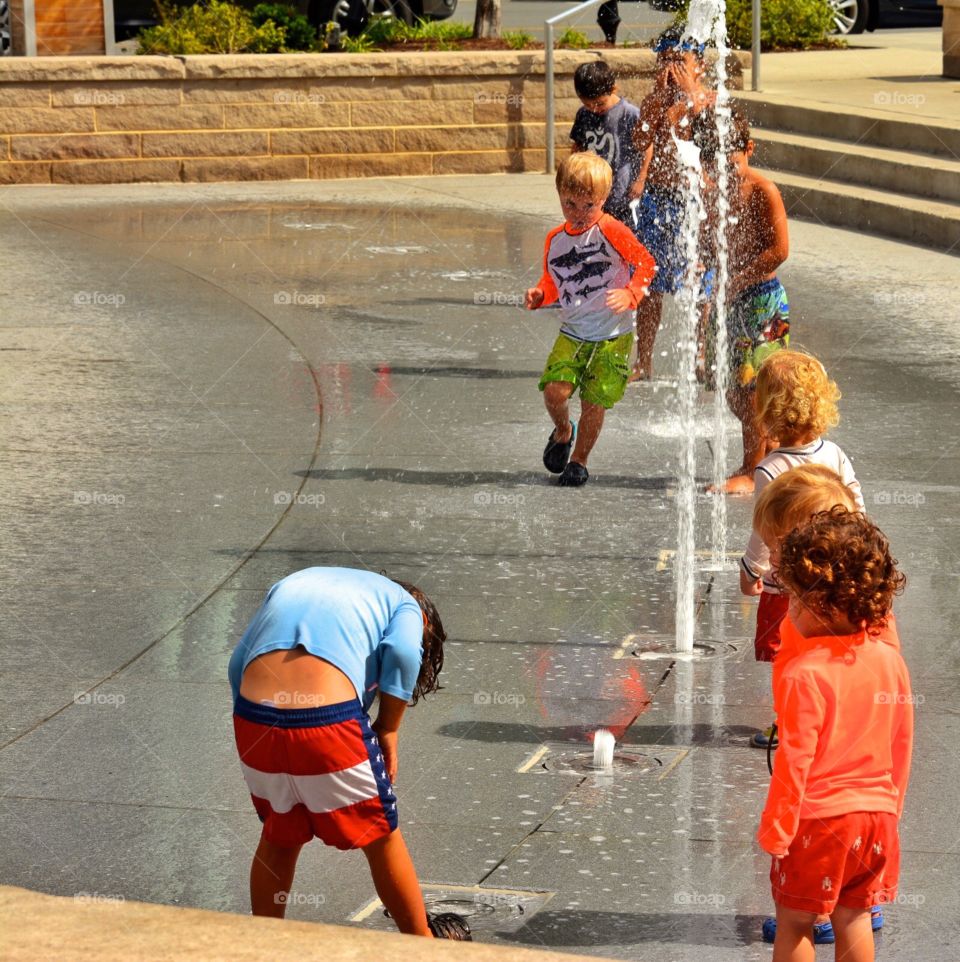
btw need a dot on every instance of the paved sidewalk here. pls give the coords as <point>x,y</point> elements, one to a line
<point>893,73</point>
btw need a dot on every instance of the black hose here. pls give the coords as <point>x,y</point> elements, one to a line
<point>773,735</point>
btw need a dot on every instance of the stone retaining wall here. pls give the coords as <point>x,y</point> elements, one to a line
<point>284,117</point>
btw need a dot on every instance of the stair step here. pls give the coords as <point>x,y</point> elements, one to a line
<point>918,220</point>
<point>919,175</point>
<point>869,127</point>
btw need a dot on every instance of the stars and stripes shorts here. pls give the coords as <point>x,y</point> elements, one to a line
<point>315,772</point>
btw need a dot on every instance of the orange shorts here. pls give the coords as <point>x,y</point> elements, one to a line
<point>851,860</point>
<point>772,610</point>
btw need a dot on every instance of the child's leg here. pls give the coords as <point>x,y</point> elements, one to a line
<point>648,323</point>
<point>556,394</point>
<point>794,941</point>
<point>743,404</point>
<point>591,421</point>
<point>854,934</point>
<point>395,880</point>
<point>271,877</point>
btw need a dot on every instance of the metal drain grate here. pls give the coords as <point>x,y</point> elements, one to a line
<point>653,650</point>
<point>485,909</point>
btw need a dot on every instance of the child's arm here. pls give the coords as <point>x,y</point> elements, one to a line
<point>389,716</point>
<point>755,562</point>
<point>750,584</point>
<point>800,719</point>
<point>546,290</point>
<point>634,253</point>
<point>903,739</point>
<point>778,249</point>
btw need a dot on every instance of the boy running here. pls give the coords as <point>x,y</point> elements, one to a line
<point>597,272</point>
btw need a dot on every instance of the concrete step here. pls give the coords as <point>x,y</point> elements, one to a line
<point>918,220</point>
<point>920,175</point>
<point>865,126</point>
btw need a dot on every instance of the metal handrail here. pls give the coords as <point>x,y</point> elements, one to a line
<point>548,67</point>
<point>579,8</point>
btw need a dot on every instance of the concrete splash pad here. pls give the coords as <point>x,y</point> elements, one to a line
<point>199,397</point>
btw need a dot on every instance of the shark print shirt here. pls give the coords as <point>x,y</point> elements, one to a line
<point>579,269</point>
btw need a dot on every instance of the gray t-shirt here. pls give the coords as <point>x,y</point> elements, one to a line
<point>610,135</point>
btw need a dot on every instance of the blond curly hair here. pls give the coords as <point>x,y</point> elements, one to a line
<point>796,400</point>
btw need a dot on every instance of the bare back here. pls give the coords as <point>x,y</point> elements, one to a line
<point>293,678</point>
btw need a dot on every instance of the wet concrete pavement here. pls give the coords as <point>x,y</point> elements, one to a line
<point>206,388</point>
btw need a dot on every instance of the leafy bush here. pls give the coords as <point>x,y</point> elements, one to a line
<point>574,39</point>
<point>210,27</point>
<point>298,32</point>
<point>784,24</point>
<point>517,39</point>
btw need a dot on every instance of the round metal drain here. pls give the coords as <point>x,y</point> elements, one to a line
<point>483,909</point>
<point>653,650</point>
<point>581,763</point>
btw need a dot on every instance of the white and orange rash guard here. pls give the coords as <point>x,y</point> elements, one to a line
<point>579,269</point>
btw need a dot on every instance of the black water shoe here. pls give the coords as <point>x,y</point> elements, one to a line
<point>555,454</point>
<point>574,475</point>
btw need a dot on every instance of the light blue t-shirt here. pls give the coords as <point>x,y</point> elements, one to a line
<point>361,622</point>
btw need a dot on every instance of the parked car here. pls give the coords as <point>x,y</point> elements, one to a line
<point>855,16</point>
<point>352,15</point>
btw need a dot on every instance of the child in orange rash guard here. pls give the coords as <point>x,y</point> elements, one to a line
<point>844,707</point>
<point>596,272</point>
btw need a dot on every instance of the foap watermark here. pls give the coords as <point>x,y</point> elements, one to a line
<point>498,900</point>
<point>298,898</point>
<point>510,100</point>
<point>100,699</point>
<point>97,898</point>
<point>99,98</point>
<point>699,698</point>
<point>699,898</point>
<point>897,98</point>
<point>288,497</point>
<point>298,299</point>
<point>99,299</point>
<point>898,698</point>
<point>900,499</point>
<point>485,698</point>
<point>899,298</point>
<point>296,699</point>
<point>498,298</point>
<point>98,498</point>
<point>299,97</point>
<point>915,899</point>
<point>486,498</point>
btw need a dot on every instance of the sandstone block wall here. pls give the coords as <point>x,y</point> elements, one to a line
<point>280,117</point>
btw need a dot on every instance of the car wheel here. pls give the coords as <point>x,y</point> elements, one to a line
<point>394,8</point>
<point>849,16</point>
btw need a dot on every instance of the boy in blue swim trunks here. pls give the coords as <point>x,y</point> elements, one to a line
<point>668,112</point>
<point>758,317</point>
<point>325,643</point>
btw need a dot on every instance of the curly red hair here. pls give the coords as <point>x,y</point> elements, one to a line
<point>839,563</point>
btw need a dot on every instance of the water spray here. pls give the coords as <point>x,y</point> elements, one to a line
<point>603,745</point>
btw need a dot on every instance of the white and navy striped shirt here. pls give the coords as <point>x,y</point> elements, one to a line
<point>756,559</point>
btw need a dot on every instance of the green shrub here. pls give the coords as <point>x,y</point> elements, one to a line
<point>784,24</point>
<point>210,27</point>
<point>574,39</point>
<point>517,39</point>
<point>298,32</point>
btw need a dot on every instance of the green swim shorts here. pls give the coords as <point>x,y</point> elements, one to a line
<point>599,368</point>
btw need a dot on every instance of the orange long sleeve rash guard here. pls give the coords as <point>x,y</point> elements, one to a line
<point>845,722</point>
<point>579,269</point>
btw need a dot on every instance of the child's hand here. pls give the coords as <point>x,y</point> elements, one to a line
<point>533,298</point>
<point>619,299</point>
<point>748,586</point>
<point>388,748</point>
